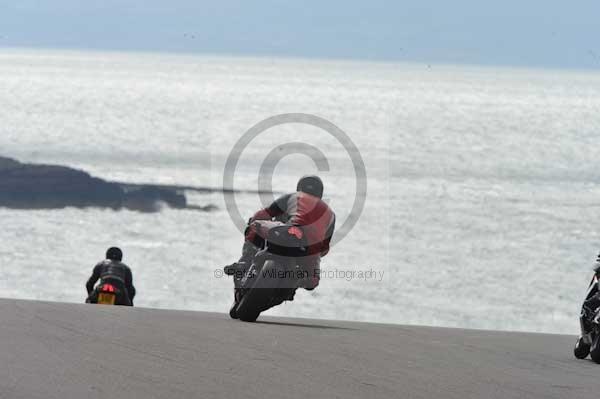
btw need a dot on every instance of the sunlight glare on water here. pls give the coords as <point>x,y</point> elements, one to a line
<point>482,205</point>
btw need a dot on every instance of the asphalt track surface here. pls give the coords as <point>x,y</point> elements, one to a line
<point>64,351</point>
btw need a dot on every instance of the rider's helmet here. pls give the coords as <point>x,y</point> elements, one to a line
<point>312,185</point>
<point>115,254</point>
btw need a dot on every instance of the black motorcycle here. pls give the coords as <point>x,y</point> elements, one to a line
<point>275,272</point>
<point>109,292</point>
<point>589,341</point>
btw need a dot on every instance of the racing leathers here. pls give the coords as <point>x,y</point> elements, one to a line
<point>318,224</point>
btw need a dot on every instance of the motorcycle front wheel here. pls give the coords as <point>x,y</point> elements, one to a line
<point>582,349</point>
<point>595,349</point>
<point>259,295</point>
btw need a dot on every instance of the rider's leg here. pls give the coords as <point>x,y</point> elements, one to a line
<point>251,245</point>
<point>123,297</point>
<point>92,297</point>
<point>249,250</point>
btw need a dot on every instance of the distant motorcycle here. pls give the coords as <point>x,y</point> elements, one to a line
<point>275,273</point>
<point>589,341</point>
<point>107,293</point>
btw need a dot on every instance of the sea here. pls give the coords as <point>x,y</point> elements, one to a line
<point>479,206</point>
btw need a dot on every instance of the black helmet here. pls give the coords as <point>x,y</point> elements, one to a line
<point>311,185</point>
<point>114,253</point>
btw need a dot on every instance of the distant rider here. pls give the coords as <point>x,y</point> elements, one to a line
<point>591,304</point>
<point>303,208</point>
<point>113,271</point>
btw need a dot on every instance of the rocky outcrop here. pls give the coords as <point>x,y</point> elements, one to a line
<point>32,186</point>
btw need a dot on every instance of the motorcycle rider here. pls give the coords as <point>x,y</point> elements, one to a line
<point>591,304</point>
<point>587,342</point>
<point>304,208</point>
<point>112,270</point>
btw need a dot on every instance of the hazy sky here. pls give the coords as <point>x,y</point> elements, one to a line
<point>508,32</point>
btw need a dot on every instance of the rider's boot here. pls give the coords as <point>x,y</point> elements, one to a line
<point>249,250</point>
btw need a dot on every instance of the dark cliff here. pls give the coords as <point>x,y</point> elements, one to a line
<point>33,186</point>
